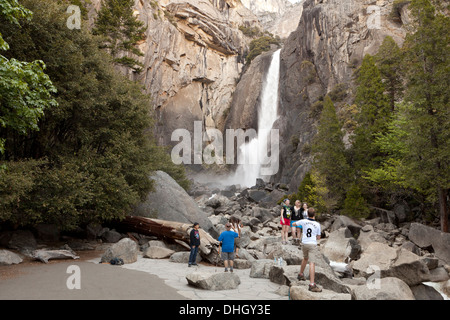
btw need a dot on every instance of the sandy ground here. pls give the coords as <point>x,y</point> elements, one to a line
<point>36,280</point>
<point>174,275</point>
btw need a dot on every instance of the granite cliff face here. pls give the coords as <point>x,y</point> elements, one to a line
<point>330,41</point>
<point>193,57</point>
<point>280,17</point>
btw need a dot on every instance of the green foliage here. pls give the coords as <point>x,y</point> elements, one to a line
<point>373,116</point>
<point>339,93</point>
<point>17,180</point>
<point>397,5</point>
<point>414,143</point>
<point>309,71</point>
<point>311,191</point>
<point>355,205</point>
<point>92,157</point>
<point>260,45</point>
<point>389,61</point>
<point>12,11</point>
<point>329,152</point>
<point>251,32</point>
<point>428,115</point>
<point>171,18</point>
<point>348,117</point>
<point>121,31</point>
<point>390,175</point>
<point>25,90</point>
<point>294,142</point>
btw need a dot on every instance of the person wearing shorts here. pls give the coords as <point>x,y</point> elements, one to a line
<point>227,243</point>
<point>285,220</point>
<point>310,235</point>
<point>296,215</point>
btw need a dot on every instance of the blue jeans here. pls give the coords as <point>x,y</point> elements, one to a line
<point>193,255</point>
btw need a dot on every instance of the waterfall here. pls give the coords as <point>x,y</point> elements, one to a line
<point>255,151</point>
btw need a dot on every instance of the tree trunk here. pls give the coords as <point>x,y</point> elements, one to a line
<point>172,230</point>
<point>443,209</point>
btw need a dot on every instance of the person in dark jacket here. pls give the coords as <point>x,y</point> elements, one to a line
<point>194,243</point>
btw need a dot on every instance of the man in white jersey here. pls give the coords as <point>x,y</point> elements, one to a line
<point>310,234</point>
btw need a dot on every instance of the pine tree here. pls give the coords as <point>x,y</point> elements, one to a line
<point>428,114</point>
<point>121,30</point>
<point>389,61</point>
<point>355,205</point>
<point>372,118</point>
<point>329,152</point>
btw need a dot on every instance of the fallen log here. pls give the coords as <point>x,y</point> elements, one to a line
<point>45,255</point>
<point>176,231</point>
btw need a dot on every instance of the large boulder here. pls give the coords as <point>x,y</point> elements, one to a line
<point>126,249</point>
<point>217,201</point>
<point>7,258</point>
<point>384,261</point>
<point>213,281</point>
<point>22,240</point>
<point>325,278</point>
<point>341,246</point>
<point>389,288</point>
<point>261,268</point>
<point>377,256</point>
<point>256,195</point>
<point>242,264</point>
<point>110,236</point>
<point>171,202</point>
<point>409,267</point>
<point>271,199</point>
<point>301,292</point>
<point>155,252</point>
<point>426,237</point>
<point>290,254</point>
<point>344,221</point>
<point>283,275</point>
<point>261,214</point>
<point>368,235</point>
<point>424,292</point>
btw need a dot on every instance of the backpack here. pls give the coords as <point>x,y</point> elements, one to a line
<point>116,261</point>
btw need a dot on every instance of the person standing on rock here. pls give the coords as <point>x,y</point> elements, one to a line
<point>194,240</point>
<point>296,215</point>
<point>236,226</point>
<point>227,243</point>
<point>285,220</point>
<point>310,234</point>
<point>304,211</point>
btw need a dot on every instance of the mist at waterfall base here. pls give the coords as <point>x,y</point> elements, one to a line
<point>254,152</point>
